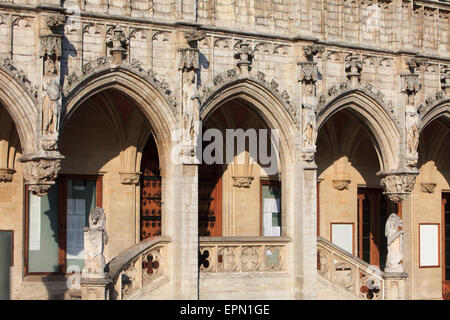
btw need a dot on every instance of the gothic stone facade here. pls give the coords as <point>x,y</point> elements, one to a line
<point>358,89</point>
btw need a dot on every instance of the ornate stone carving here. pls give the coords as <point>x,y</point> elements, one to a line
<point>6,174</point>
<point>230,76</point>
<point>129,177</point>
<point>445,80</point>
<point>245,56</point>
<point>341,184</point>
<point>309,105</point>
<point>428,187</point>
<point>192,37</point>
<point>95,239</point>
<point>50,46</point>
<point>21,78</point>
<point>40,171</point>
<point>191,106</point>
<point>118,42</point>
<point>353,68</point>
<point>410,86</point>
<point>431,101</point>
<point>398,186</point>
<point>242,181</point>
<point>188,59</point>
<point>367,88</point>
<point>312,50</point>
<point>308,71</point>
<point>56,22</point>
<point>395,244</point>
<point>105,65</point>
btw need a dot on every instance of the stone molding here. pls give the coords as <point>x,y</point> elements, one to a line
<point>344,88</point>
<point>105,65</point>
<point>21,78</point>
<point>231,77</point>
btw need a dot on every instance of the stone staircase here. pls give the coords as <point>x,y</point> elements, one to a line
<point>344,276</point>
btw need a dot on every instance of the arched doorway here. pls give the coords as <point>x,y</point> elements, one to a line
<point>352,207</point>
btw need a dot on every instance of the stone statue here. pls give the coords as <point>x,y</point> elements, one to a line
<point>191,106</point>
<point>412,126</point>
<point>95,239</point>
<point>51,105</point>
<point>395,244</point>
<point>309,103</point>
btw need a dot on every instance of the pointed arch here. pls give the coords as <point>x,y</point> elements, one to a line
<point>440,109</point>
<point>17,98</point>
<point>383,130</point>
<point>150,95</point>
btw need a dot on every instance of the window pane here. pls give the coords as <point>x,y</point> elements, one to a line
<point>271,210</point>
<point>43,232</point>
<point>80,202</point>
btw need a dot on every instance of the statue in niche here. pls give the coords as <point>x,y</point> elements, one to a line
<point>395,244</point>
<point>412,126</point>
<point>309,103</point>
<point>95,239</point>
<point>51,105</point>
<point>191,106</point>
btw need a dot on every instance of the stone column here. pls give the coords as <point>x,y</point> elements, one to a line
<point>394,285</point>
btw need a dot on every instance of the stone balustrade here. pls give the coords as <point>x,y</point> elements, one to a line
<point>242,254</point>
<point>138,267</point>
<point>336,265</point>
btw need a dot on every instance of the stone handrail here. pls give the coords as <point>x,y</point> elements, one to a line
<point>139,265</point>
<point>336,265</point>
<point>242,254</point>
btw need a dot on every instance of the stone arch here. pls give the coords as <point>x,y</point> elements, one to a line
<point>383,129</point>
<point>18,97</point>
<point>151,95</point>
<point>434,111</point>
<point>275,111</point>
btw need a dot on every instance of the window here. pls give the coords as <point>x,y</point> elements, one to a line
<point>270,208</point>
<point>55,224</point>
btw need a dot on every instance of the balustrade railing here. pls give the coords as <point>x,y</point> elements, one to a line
<point>242,254</point>
<point>349,272</point>
<point>137,267</point>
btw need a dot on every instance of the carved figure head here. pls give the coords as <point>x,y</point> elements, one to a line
<point>97,218</point>
<point>393,223</point>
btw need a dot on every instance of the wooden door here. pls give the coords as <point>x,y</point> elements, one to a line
<point>210,200</point>
<point>373,210</point>
<point>446,246</point>
<point>150,192</point>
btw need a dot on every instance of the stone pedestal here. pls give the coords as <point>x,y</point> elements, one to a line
<point>395,285</point>
<point>95,289</point>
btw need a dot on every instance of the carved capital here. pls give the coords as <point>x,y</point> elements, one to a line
<point>307,72</point>
<point>398,186</point>
<point>341,184</point>
<point>6,174</point>
<point>192,37</point>
<point>428,187</point>
<point>40,171</point>
<point>242,182</point>
<point>188,59</point>
<point>129,177</point>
